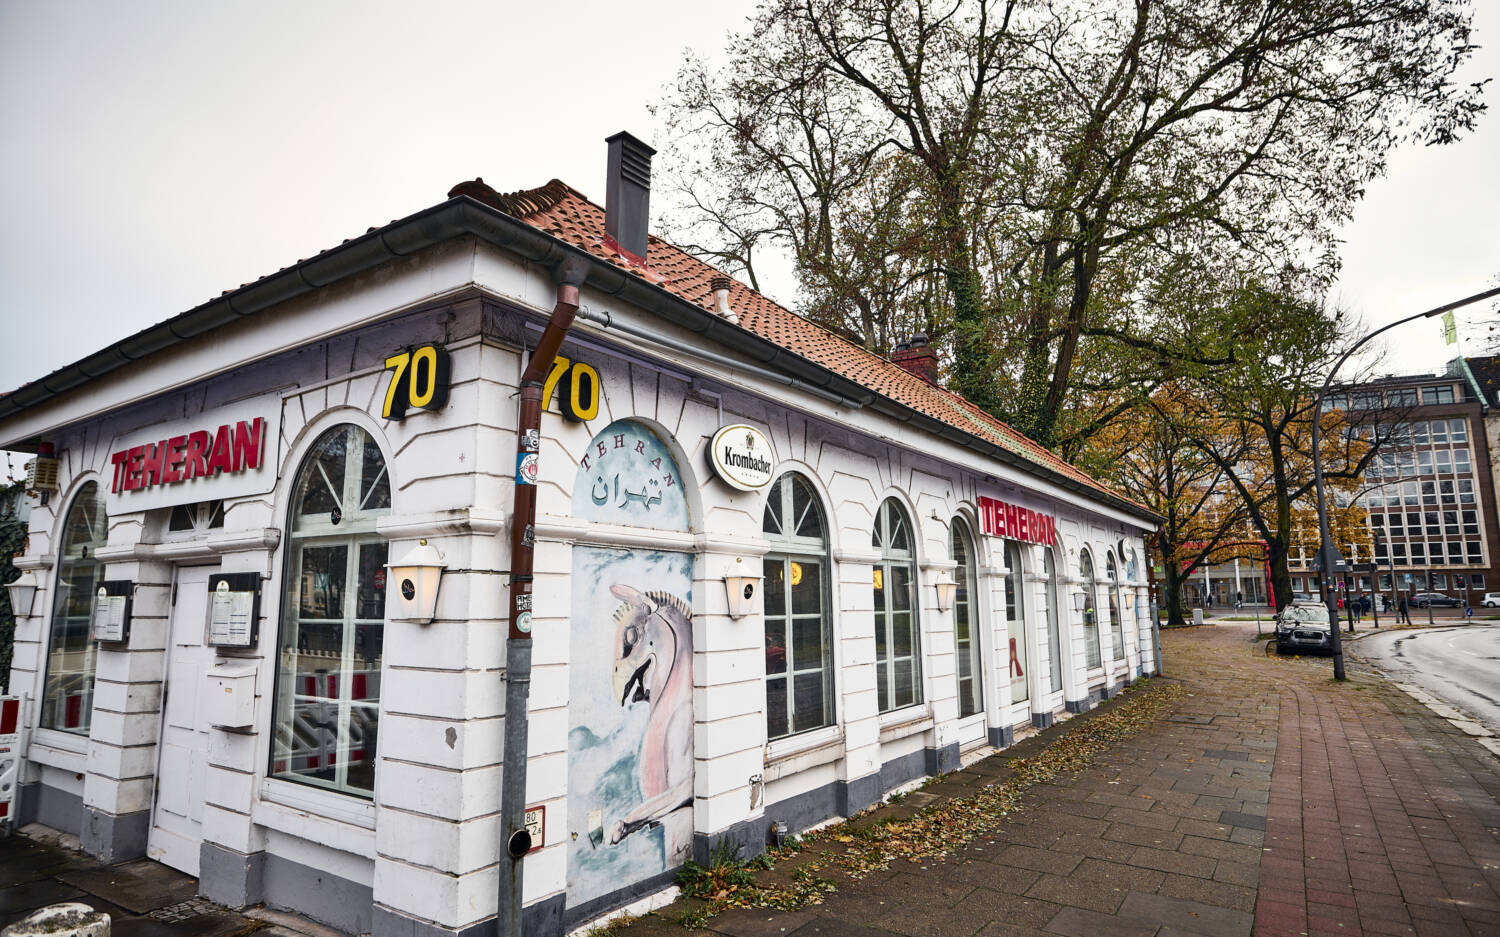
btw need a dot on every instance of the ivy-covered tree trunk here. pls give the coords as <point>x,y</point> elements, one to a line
<point>1171,594</point>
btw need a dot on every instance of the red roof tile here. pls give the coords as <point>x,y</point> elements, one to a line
<point>561,211</point>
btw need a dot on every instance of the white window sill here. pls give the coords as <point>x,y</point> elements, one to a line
<point>900,723</point>
<point>788,756</point>
<point>62,750</point>
<point>341,808</point>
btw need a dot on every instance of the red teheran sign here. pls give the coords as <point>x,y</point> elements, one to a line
<point>199,454</point>
<point>1013,522</point>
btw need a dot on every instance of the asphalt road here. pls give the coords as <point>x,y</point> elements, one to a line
<point>1459,665</point>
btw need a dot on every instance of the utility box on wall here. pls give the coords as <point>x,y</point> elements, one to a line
<point>230,700</point>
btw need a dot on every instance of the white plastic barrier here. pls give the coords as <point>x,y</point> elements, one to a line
<point>73,919</point>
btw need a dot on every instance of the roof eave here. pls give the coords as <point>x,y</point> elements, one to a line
<point>465,216</point>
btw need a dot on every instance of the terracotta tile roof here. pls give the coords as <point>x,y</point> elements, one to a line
<point>561,211</point>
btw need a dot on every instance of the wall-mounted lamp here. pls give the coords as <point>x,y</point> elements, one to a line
<point>947,589</point>
<point>22,595</point>
<point>417,577</point>
<point>741,590</point>
<point>1080,601</point>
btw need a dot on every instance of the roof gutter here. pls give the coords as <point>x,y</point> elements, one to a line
<point>463,216</point>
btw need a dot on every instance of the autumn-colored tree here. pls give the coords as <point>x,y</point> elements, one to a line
<point>1153,454</point>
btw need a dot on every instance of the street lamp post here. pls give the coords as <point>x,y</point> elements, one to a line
<point>1327,554</point>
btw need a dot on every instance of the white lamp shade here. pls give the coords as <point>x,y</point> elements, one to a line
<point>1080,599</point>
<point>22,594</point>
<point>414,582</point>
<point>742,592</point>
<point>947,589</point>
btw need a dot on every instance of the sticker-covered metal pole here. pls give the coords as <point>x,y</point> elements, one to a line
<point>516,840</point>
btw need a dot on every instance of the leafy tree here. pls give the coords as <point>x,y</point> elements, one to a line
<point>1268,397</point>
<point>1052,174</point>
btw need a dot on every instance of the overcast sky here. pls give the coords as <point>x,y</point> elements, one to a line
<point>155,154</point>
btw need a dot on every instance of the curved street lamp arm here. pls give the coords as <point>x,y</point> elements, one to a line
<point>1325,548</point>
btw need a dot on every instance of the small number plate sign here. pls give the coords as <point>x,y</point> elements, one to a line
<point>536,825</point>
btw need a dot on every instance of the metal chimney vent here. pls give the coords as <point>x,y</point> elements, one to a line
<point>627,193</point>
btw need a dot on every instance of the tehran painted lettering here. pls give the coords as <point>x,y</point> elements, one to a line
<point>627,476</point>
<point>999,519</point>
<point>199,454</point>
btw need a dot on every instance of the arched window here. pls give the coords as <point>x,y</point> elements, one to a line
<point>68,694</point>
<point>799,643</point>
<point>1015,624</point>
<point>1090,619</point>
<point>333,616</point>
<point>965,615</point>
<point>1116,626</point>
<point>897,676</point>
<point>1054,631</point>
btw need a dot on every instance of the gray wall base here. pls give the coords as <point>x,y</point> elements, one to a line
<point>327,899</point>
<point>898,771</point>
<point>111,837</point>
<point>1001,736</point>
<point>744,840</point>
<point>805,809</point>
<point>1076,706</point>
<point>858,794</point>
<point>388,923</point>
<point>231,878</point>
<point>1043,720</point>
<point>50,807</point>
<point>573,917</point>
<point>942,760</point>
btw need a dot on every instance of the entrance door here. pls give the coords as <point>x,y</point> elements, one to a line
<point>177,816</point>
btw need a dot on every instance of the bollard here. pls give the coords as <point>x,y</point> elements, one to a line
<point>73,919</point>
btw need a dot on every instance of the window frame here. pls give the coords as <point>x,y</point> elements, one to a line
<point>60,614</point>
<point>1093,654</point>
<point>891,559</point>
<point>353,532</point>
<point>966,605</point>
<point>786,549</point>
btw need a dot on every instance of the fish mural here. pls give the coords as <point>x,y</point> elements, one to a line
<point>630,738</point>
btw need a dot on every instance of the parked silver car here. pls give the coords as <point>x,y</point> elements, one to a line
<point>1436,600</point>
<point>1302,627</point>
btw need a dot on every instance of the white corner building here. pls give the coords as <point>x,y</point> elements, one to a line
<point>776,576</point>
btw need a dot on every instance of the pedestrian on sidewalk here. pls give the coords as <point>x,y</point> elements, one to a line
<point>1403,613</point>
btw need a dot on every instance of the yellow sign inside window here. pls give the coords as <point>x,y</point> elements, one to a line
<point>797,574</point>
<point>879,578</point>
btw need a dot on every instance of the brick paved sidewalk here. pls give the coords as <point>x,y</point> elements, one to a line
<point>1270,802</point>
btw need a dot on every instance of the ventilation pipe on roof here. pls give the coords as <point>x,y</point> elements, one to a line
<point>569,275</point>
<point>627,195</point>
<point>721,285</point>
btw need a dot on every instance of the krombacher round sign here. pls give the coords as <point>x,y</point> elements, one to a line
<point>741,455</point>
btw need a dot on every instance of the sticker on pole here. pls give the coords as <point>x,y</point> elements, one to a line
<point>526,468</point>
<point>523,622</point>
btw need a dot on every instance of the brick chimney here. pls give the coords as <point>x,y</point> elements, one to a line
<point>918,357</point>
<point>627,194</point>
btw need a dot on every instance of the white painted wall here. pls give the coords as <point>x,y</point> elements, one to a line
<point>428,844</point>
